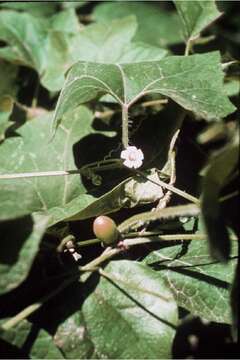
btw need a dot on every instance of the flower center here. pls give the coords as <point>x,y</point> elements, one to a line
<point>132,156</point>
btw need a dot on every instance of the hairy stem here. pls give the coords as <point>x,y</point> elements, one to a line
<point>166,213</point>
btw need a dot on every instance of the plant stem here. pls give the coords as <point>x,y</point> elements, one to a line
<point>125,136</point>
<point>106,255</point>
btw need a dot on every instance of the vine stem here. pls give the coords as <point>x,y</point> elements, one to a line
<point>137,238</point>
<point>169,237</point>
<point>107,254</point>
<point>110,164</point>
<point>39,174</point>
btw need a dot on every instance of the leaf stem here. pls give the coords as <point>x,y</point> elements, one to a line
<point>188,47</point>
<point>125,135</point>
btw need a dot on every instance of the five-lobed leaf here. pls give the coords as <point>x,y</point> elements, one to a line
<point>194,82</point>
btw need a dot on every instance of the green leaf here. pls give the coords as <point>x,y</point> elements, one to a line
<point>23,336</point>
<point>19,244</point>
<point>39,43</point>
<point>6,106</point>
<point>25,37</point>
<point>8,78</point>
<point>131,316</point>
<point>220,167</point>
<point>112,43</point>
<point>107,43</point>
<point>156,26</point>
<point>199,283</point>
<point>234,304</point>
<point>72,338</point>
<point>54,44</point>
<point>73,4</point>
<point>33,151</point>
<point>232,87</point>
<point>196,16</point>
<point>65,21</point>
<point>36,9</point>
<point>194,82</point>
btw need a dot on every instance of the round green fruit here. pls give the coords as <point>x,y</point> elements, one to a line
<point>105,230</point>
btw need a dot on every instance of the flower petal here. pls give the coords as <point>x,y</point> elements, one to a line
<point>137,164</point>
<point>128,163</point>
<point>124,154</point>
<point>140,155</point>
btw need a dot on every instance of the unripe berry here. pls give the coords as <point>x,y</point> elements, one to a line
<point>105,230</point>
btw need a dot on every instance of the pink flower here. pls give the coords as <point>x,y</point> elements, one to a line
<point>133,157</point>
